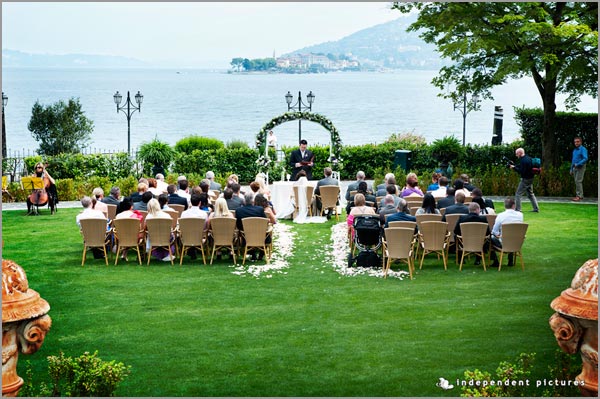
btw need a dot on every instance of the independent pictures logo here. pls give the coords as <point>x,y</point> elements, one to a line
<point>444,384</point>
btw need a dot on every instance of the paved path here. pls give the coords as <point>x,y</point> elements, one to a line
<point>76,204</point>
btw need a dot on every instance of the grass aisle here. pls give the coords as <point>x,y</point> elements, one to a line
<point>306,330</point>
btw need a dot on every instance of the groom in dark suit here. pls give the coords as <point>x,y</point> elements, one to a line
<point>302,159</point>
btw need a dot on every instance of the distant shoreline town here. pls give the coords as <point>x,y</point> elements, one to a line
<point>299,63</point>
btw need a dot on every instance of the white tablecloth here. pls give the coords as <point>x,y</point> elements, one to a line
<point>282,192</point>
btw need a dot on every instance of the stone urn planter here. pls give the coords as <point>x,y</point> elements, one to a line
<point>24,323</point>
<point>575,323</point>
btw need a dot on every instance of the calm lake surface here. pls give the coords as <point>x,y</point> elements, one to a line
<point>365,107</point>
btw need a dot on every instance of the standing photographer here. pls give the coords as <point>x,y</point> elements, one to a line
<point>525,169</point>
<point>580,157</point>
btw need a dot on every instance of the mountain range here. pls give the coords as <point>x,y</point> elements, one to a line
<point>14,58</point>
<point>386,45</point>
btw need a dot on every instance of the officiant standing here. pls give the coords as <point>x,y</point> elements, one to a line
<point>302,159</point>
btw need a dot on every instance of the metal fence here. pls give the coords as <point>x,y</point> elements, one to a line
<point>15,160</point>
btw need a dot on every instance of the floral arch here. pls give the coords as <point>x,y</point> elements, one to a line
<point>335,147</point>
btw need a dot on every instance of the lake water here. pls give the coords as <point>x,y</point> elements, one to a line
<point>365,107</point>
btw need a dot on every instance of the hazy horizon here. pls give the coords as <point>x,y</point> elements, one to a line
<point>183,35</point>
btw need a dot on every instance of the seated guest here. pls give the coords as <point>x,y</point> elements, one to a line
<point>233,178</point>
<point>205,203</point>
<point>466,182</point>
<point>435,177</point>
<point>114,197</point>
<point>448,199</point>
<point>163,200</point>
<point>326,181</point>
<point>261,200</point>
<point>360,176</point>
<point>381,189</point>
<point>250,210</point>
<point>154,212</point>
<point>142,187</point>
<point>392,190</point>
<point>459,187</point>
<point>195,211</point>
<point>458,207</point>
<point>160,182</point>
<point>183,190</point>
<point>98,195</point>
<point>263,189</point>
<point>221,211</point>
<point>143,204</point>
<point>90,213</point>
<point>508,216</point>
<point>477,193</point>
<point>362,189</point>
<point>403,214</point>
<point>484,210</point>
<point>360,208</point>
<point>153,188</point>
<point>472,216</point>
<point>440,192</point>
<point>237,191</point>
<point>428,206</point>
<point>412,187</point>
<point>388,207</point>
<point>126,212</point>
<point>213,185</point>
<point>174,198</point>
<point>233,201</point>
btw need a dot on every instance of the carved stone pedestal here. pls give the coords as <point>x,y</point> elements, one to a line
<point>575,323</point>
<point>24,323</point>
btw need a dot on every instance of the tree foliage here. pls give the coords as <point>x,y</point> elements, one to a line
<point>60,128</point>
<point>555,43</point>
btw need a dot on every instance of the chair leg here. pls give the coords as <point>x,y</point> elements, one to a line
<point>422,257</point>
<point>149,256</point>
<point>139,255</point>
<point>500,264</point>
<point>445,260</point>
<point>181,254</point>
<point>483,260</point>
<point>462,257</point>
<point>83,256</point>
<point>117,254</point>
<point>245,253</point>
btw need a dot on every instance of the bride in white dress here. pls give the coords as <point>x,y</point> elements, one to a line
<point>302,216</point>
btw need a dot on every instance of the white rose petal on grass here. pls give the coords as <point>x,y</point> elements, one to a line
<point>338,257</point>
<point>283,248</point>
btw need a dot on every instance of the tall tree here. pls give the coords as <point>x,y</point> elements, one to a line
<point>237,63</point>
<point>60,127</point>
<point>555,43</point>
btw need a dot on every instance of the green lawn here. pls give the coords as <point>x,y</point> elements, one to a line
<point>204,331</point>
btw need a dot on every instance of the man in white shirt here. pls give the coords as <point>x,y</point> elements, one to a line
<point>161,184</point>
<point>441,191</point>
<point>194,211</point>
<point>183,190</point>
<point>90,213</point>
<point>510,215</point>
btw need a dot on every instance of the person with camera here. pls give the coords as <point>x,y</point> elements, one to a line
<point>580,158</point>
<point>525,169</point>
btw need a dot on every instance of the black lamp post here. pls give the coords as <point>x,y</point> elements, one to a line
<point>128,109</point>
<point>4,102</point>
<point>310,98</point>
<point>465,107</point>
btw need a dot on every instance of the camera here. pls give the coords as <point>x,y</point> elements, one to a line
<point>509,163</point>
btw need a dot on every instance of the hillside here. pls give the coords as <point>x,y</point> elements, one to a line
<point>12,58</point>
<point>385,45</point>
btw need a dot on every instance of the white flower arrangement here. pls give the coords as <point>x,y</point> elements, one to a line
<point>263,161</point>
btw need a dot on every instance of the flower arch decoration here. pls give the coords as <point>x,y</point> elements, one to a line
<point>336,143</point>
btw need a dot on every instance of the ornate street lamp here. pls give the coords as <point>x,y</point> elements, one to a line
<point>310,98</point>
<point>465,107</point>
<point>4,102</point>
<point>128,109</point>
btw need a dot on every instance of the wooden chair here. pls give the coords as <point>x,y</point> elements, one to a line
<point>403,223</point>
<point>433,238</point>
<point>309,196</point>
<point>451,220</point>
<point>329,199</point>
<point>159,235</point>
<point>94,236</point>
<point>398,244</point>
<point>413,211</point>
<point>174,218</point>
<point>414,204</point>
<point>144,214</point>
<point>112,211</point>
<point>442,211</point>
<point>127,234</point>
<point>513,236</point>
<point>472,240</point>
<point>178,207</point>
<point>491,219</point>
<point>191,234</point>
<point>223,234</point>
<point>256,231</point>
<point>429,217</point>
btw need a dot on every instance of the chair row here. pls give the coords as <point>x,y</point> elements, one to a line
<point>186,234</point>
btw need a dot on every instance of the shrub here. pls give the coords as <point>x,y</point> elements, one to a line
<point>86,375</point>
<point>518,371</point>
<point>187,145</point>
<point>408,137</point>
<point>237,144</point>
<point>156,156</point>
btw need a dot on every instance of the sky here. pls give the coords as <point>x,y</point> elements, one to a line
<point>186,34</point>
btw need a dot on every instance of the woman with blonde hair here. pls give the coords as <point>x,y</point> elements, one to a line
<point>221,211</point>
<point>154,212</point>
<point>360,208</point>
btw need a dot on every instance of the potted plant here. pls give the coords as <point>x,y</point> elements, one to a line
<point>156,156</point>
<point>445,151</point>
